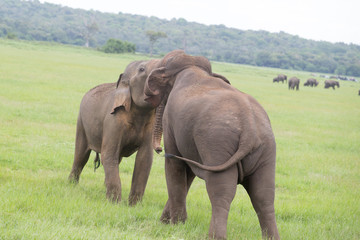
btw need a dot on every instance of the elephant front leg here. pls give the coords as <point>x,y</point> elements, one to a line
<point>176,180</point>
<point>221,188</point>
<point>143,162</point>
<point>112,178</point>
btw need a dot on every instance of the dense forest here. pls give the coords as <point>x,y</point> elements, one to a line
<point>32,20</point>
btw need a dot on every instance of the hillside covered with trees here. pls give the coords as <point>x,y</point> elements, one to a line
<point>32,20</point>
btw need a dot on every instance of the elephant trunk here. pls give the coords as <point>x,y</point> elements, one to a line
<point>157,131</point>
<point>159,83</point>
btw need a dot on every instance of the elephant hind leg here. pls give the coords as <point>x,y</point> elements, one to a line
<point>80,159</point>
<point>261,189</point>
<point>221,188</point>
<point>81,156</point>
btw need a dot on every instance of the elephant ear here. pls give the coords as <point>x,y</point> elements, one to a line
<point>221,77</point>
<point>122,98</point>
<point>155,86</point>
<point>118,81</point>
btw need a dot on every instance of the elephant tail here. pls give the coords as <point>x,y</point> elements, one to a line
<point>96,162</point>
<point>222,167</point>
<point>236,158</point>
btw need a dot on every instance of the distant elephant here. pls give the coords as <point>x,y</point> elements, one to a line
<point>311,82</point>
<point>331,83</point>
<point>213,131</point>
<point>114,120</point>
<point>359,92</point>
<point>294,82</point>
<point>280,78</point>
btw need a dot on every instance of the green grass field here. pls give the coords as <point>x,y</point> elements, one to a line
<point>317,132</point>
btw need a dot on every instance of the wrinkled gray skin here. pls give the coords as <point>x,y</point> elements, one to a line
<point>114,120</point>
<point>311,82</point>
<point>215,132</point>
<point>331,83</point>
<point>280,78</point>
<point>294,83</point>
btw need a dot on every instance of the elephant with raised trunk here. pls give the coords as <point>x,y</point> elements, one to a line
<point>331,83</point>
<point>114,120</point>
<point>312,82</point>
<point>294,83</point>
<point>280,78</point>
<point>213,131</point>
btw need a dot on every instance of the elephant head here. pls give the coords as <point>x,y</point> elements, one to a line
<point>161,80</point>
<point>130,92</point>
<point>131,83</point>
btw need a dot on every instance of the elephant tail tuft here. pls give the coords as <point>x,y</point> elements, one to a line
<point>96,162</point>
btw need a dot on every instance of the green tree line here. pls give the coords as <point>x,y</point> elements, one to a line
<point>117,46</point>
<point>32,20</point>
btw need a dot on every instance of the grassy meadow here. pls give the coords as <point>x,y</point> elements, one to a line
<point>317,132</point>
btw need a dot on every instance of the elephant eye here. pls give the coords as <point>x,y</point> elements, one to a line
<point>142,69</point>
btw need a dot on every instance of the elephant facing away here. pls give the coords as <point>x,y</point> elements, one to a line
<point>280,78</point>
<point>114,120</point>
<point>213,131</point>
<point>331,83</point>
<point>294,83</point>
<point>312,82</point>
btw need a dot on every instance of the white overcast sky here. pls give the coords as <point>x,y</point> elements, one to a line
<point>328,20</point>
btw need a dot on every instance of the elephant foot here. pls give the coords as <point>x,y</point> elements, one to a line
<point>212,236</point>
<point>165,217</point>
<point>134,199</point>
<point>173,216</point>
<point>114,195</point>
<point>113,198</point>
<point>178,217</point>
<point>73,178</point>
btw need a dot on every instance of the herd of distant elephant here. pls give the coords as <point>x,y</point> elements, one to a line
<point>294,82</point>
<point>210,130</point>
